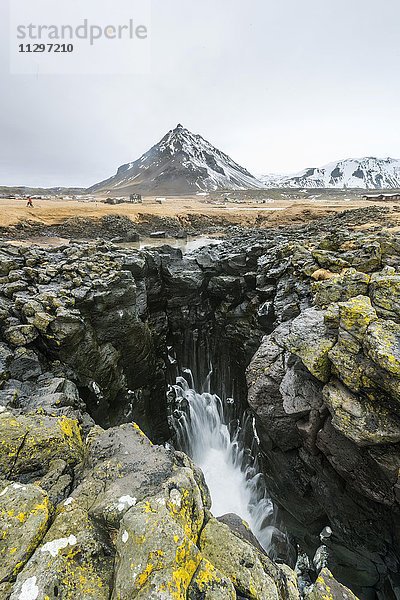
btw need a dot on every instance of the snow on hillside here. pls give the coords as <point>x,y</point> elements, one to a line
<point>181,162</point>
<point>364,173</point>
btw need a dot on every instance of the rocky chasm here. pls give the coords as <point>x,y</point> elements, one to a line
<point>302,327</point>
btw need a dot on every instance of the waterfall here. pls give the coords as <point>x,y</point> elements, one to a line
<point>207,430</point>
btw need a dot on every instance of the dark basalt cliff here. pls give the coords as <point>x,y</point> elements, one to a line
<point>91,334</point>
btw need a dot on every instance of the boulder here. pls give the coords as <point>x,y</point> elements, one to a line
<point>331,261</point>
<point>21,335</point>
<point>382,345</point>
<point>210,584</point>
<point>122,467</point>
<point>310,340</point>
<point>155,559</point>
<point>385,293</point>
<point>326,586</point>
<point>25,514</point>
<point>237,560</point>
<point>339,287</point>
<point>74,560</point>
<point>356,315</point>
<point>359,419</point>
<point>29,443</point>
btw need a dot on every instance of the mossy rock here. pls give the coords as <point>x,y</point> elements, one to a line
<point>382,345</point>
<point>340,287</point>
<point>356,315</point>
<point>73,561</point>
<point>347,362</point>
<point>29,443</point>
<point>21,335</point>
<point>311,341</point>
<point>366,258</point>
<point>210,584</point>
<point>238,561</point>
<point>330,260</point>
<point>385,293</point>
<point>327,588</point>
<point>24,516</point>
<point>360,420</point>
<point>155,559</point>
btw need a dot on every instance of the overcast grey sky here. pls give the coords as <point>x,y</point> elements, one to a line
<point>277,84</point>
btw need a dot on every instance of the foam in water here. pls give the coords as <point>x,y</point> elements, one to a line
<point>205,433</point>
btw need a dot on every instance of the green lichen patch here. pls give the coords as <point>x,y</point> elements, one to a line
<point>29,443</point>
<point>238,561</point>
<point>382,345</point>
<point>24,516</point>
<point>327,588</point>
<point>73,561</point>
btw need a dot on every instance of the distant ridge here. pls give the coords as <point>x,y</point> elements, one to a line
<point>367,173</point>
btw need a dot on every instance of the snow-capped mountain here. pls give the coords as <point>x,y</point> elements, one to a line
<point>366,173</point>
<point>182,162</point>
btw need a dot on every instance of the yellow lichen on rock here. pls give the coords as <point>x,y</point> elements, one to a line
<point>22,527</point>
<point>210,584</point>
<point>327,588</point>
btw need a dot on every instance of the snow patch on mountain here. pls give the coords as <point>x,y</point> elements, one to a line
<point>367,173</point>
<point>182,162</point>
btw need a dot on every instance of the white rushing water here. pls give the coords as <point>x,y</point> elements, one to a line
<point>201,422</point>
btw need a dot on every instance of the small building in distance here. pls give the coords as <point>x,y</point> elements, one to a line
<point>132,199</point>
<point>382,197</point>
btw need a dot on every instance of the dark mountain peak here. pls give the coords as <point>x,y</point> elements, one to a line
<point>181,162</point>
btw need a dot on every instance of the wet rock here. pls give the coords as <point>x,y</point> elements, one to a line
<point>224,286</point>
<point>5,360</point>
<point>26,364</point>
<point>264,377</point>
<point>185,278</point>
<point>372,474</point>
